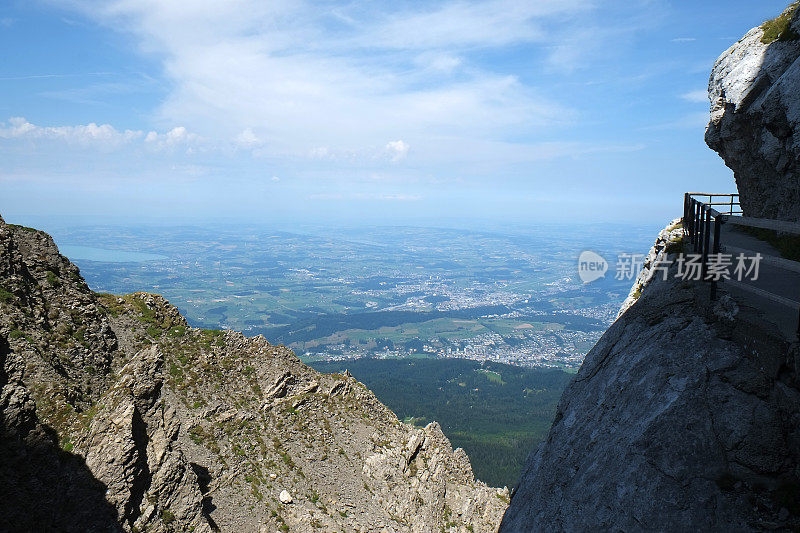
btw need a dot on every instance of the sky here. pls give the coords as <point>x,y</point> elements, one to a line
<point>386,112</point>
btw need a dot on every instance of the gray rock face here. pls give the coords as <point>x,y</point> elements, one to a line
<point>115,415</point>
<point>675,422</point>
<point>755,122</point>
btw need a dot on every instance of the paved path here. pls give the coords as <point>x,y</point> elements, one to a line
<point>772,279</point>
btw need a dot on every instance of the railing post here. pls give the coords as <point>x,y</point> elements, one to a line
<point>701,228</point>
<point>717,249</point>
<point>698,228</point>
<point>685,208</point>
<point>706,238</point>
<point>689,218</point>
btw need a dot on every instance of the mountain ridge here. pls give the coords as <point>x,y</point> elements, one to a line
<point>147,423</point>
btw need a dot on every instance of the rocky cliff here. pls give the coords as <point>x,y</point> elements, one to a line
<point>684,417</point>
<point>115,415</point>
<point>755,116</point>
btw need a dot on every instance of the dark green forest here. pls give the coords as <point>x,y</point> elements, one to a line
<point>496,412</point>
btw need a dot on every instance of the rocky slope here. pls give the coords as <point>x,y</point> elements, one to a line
<point>755,116</point>
<point>115,415</point>
<point>684,417</point>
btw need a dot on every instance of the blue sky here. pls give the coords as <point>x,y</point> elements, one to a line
<point>386,112</point>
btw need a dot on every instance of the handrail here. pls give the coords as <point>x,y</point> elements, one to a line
<point>702,224</point>
<point>765,223</point>
<point>712,194</point>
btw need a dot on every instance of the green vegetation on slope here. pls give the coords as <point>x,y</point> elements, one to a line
<point>779,28</point>
<point>496,412</point>
<point>787,245</point>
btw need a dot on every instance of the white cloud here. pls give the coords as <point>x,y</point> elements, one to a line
<point>467,24</point>
<point>699,96</point>
<point>177,136</point>
<point>683,40</point>
<point>442,62</point>
<point>89,134</point>
<point>310,91</point>
<point>397,150</point>
<point>94,135</point>
<point>275,178</point>
<point>247,138</point>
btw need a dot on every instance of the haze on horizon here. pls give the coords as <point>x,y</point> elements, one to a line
<point>393,112</point>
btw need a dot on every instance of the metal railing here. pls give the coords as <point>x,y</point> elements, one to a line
<point>702,224</point>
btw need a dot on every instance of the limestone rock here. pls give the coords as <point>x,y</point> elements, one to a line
<point>674,422</point>
<point>755,119</point>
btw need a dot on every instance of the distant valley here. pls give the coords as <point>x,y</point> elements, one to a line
<point>333,294</point>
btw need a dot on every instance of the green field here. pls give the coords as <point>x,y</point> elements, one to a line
<point>496,412</point>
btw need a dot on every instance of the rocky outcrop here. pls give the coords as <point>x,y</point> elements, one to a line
<point>755,117</point>
<point>115,415</point>
<point>679,419</point>
<point>131,445</point>
<point>669,241</point>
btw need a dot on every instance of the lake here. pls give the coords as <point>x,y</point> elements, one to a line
<point>88,253</point>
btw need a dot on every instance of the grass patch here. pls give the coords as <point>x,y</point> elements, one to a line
<point>676,246</point>
<point>212,336</point>
<point>5,296</point>
<point>787,245</point>
<point>52,278</point>
<point>287,459</point>
<point>779,28</point>
<point>177,331</point>
<point>204,437</point>
<point>167,517</point>
<point>147,315</point>
<point>109,303</point>
<point>492,376</point>
<point>23,228</point>
<point>176,372</point>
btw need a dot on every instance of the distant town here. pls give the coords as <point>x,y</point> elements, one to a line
<point>333,295</point>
